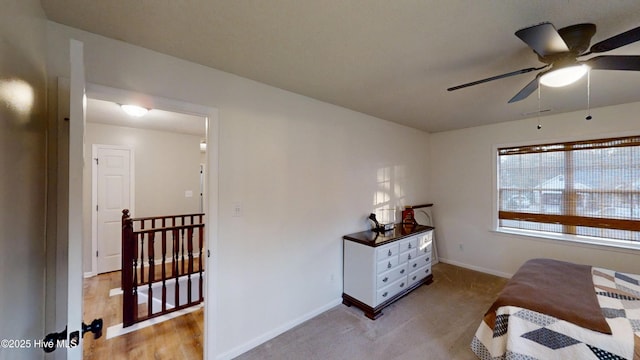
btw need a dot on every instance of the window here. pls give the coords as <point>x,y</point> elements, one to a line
<point>581,188</point>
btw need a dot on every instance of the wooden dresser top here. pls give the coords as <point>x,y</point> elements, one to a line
<point>372,238</point>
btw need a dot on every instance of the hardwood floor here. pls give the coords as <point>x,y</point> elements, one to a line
<point>178,338</point>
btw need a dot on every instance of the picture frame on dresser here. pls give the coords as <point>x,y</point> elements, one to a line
<point>382,267</point>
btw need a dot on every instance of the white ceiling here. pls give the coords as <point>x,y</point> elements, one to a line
<point>390,59</point>
<point>107,112</point>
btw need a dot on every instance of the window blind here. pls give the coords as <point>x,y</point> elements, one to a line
<point>589,188</point>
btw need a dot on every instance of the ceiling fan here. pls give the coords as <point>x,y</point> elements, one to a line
<point>559,50</point>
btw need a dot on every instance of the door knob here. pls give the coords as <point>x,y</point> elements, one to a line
<point>51,340</point>
<point>95,327</point>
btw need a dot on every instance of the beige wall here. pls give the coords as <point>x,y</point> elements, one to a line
<point>165,166</point>
<point>305,173</point>
<point>22,184</point>
<point>461,185</point>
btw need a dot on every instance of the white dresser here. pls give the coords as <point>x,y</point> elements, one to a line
<point>381,268</point>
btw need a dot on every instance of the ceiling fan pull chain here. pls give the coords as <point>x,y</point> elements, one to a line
<point>539,125</point>
<point>589,117</point>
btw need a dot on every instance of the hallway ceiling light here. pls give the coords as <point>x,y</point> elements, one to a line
<point>134,110</point>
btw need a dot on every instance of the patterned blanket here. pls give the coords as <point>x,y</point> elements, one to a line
<point>513,332</point>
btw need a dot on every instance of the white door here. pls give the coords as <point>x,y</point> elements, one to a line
<point>76,163</point>
<point>113,167</point>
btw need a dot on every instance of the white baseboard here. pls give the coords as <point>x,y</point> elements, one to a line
<point>89,274</point>
<point>277,331</point>
<point>476,268</point>
<point>117,330</point>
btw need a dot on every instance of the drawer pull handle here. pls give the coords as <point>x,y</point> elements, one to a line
<point>402,271</point>
<point>389,265</point>
<point>402,285</point>
<point>426,271</point>
<point>389,253</point>
<point>385,294</point>
<point>410,246</point>
<point>385,279</point>
<point>414,265</point>
<point>414,277</point>
<point>409,258</point>
<point>427,259</point>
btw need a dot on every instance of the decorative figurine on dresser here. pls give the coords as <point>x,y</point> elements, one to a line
<point>385,263</point>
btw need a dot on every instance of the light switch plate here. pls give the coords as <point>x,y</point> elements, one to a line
<point>237,209</point>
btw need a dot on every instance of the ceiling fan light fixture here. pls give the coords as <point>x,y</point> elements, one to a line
<point>564,76</point>
<point>134,110</point>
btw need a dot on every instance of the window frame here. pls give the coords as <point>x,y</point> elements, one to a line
<point>571,238</point>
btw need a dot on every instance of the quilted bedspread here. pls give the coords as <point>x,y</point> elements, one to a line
<point>513,332</point>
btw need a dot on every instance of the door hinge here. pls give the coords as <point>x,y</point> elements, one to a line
<point>96,207</point>
<point>96,159</point>
<point>96,253</point>
<point>208,253</point>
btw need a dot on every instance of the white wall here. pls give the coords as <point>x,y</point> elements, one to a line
<point>461,185</point>
<point>304,172</point>
<point>166,165</point>
<point>23,167</point>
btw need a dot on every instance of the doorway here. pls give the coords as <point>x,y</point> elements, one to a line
<point>206,180</point>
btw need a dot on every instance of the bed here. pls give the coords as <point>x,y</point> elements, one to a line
<point>552,309</point>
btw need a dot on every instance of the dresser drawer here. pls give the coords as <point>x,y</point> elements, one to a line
<point>419,274</point>
<point>408,244</point>
<point>419,262</point>
<point>390,276</point>
<point>425,241</point>
<point>387,292</point>
<point>387,251</point>
<point>425,249</point>
<point>408,255</point>
<point>387,264</point>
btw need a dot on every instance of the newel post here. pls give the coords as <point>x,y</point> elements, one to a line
<point>127,268</point>
<point>125,216</point>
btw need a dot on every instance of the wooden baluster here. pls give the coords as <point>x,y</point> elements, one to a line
<point>190,258</point>
<point>164,273</point>
<point>134,306</point>
<point>176,272</point>
<point>182,247</point>
<point>174,253</point>
<point>141,237</point>
<point>151,277</point>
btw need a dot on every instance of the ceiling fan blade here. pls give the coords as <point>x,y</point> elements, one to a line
<point>526,91</point>
<point>617,41</point>
<point>615,62</point>
<point>543,39</point>
<point>517,72</point>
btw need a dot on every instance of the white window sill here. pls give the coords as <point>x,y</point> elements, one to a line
<point>612,244</point>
